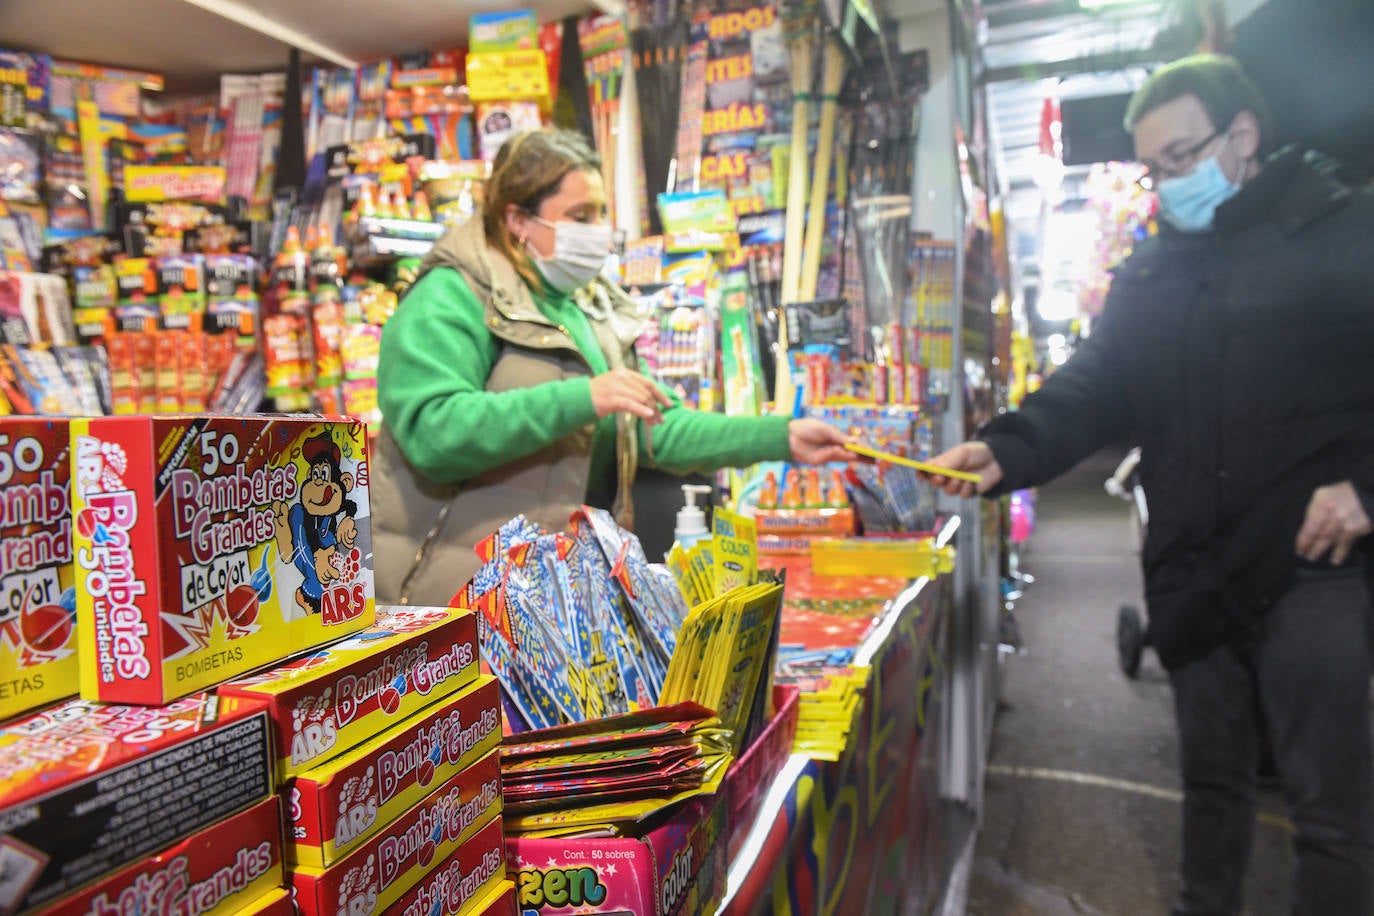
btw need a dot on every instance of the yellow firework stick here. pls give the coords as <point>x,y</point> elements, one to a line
<point>921,466</point>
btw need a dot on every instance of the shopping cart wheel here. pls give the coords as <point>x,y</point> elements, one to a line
<point>1130,639</point>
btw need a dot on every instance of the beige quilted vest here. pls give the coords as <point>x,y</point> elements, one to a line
<point>424,531</point>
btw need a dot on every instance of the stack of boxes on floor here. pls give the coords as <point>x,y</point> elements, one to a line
<point>253,736</point>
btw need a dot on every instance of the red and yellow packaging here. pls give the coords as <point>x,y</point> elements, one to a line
<point>501,901</point>
<point>123,374</point>
<point>38,662</point>
<point>461,885</point>
<point>338,697</point>
<point>87,789</point>
<point>207,547</point>
<point>340,804</point>
<point>145,369</point>
<point>168,371</point>
<point>460,820</point>
<point>274,903</point>
<point>217,871</point>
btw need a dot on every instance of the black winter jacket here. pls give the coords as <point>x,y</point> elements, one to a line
<point>1242,362</point>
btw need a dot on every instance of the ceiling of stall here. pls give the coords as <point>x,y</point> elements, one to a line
<point>192,41</point>
<point>1038,49</point>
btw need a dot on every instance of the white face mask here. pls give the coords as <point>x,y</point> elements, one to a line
<point>580,251</point>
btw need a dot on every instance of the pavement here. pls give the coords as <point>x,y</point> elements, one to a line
<point>1082,804</point>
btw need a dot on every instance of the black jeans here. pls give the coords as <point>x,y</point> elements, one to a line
<point>1308,675</point>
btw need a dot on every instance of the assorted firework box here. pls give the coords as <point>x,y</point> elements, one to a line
<point>38,657</point>
<point>334,699</point>
<point>207,547</point>
<point>338,805</point>
<point>88,791</point>
<point>677,869</point>
<point>419,862</point>
<point>254,736</point>
<point>219,870</point>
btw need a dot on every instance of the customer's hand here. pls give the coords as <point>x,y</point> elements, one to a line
<point>627,391</point>
<point>1335,521</point>
<point>817,442</point>
<point>974,457</point>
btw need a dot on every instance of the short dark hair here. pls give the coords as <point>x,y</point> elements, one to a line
<point>1218,82</point>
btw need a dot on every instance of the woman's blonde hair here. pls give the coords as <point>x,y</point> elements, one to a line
<point>528,170</point>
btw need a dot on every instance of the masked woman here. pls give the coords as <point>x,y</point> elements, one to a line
<point>509,385</point>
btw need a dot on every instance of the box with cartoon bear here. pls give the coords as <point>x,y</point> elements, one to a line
<point>38,662</point>
<point>219,870</point>
<point>209,546</point>
<point>331,700</point>
<point>87,789</point>
<point>338,805</point>
<point>460,819</point>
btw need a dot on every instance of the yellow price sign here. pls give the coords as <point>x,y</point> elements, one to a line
<point>508,76</point>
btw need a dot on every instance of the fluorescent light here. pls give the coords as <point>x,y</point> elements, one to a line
<point>1100,4</point>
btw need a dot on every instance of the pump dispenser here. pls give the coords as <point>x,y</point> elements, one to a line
<point>691,518</point>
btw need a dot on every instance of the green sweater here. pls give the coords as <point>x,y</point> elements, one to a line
<point>437,354</point>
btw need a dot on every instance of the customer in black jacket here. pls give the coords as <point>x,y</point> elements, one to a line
<point>1237,348</point>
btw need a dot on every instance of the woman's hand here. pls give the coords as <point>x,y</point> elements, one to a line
<point>817,442</point>
<point>627,391</point>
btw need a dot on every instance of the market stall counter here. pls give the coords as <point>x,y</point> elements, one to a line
<point>863,832</point>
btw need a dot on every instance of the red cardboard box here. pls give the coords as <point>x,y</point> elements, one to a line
<point>87,789</point>
<point>217,871</point>
<point>209,546</point>
<point>679,869</point>
<point>462,885</point>
<point>38,663</point>
<point>338,697</point>
<point>339,804</point>
<point>377,874</point>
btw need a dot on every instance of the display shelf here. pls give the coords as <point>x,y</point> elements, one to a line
<point>193,41</point>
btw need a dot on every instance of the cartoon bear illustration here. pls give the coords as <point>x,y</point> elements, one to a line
<point>311,532</point>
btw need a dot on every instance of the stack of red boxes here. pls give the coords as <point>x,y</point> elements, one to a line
<point>388,768</point>
<point>113,809</point>
<point>176,553</point>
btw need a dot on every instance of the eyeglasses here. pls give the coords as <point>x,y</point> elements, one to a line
<point>1176,166</point>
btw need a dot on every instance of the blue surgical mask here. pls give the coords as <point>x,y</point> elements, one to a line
<point>1189,202</point>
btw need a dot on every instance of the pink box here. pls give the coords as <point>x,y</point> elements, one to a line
<point>677,870</point>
